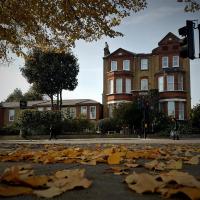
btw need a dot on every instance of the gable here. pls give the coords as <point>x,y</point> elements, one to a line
<point>120,52</point>
<point>169,38</point>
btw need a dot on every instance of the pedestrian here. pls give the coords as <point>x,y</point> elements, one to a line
<point>175,129</point>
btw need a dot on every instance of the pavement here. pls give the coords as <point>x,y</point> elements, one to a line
<point>105,141</point>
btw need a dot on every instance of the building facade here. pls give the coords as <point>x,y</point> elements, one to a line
<point>127,75</point>
<point>73,108</point>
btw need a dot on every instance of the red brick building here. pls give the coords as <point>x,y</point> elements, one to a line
<point>73,108</point>
<point>127,74</point>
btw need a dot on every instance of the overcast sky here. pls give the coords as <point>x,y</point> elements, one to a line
<point>142,32</point>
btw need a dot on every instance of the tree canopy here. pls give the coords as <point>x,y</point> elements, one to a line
<point>51,72</point>
<point>59,23</point>
<point>31,95</point>
<point>195,116</point>
<point>16,95</point>
<point>26,24</point>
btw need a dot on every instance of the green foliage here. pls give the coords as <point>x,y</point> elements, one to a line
<point>16,95</point>
<point>108,124</point>
<point>78,125</point>
<point>51,72</point>
<point>11,129</point>
<point>32,121</point>
<point>162,122</point>
<point>33,94</point>
<point>128,114</point>
<point>195,116</point>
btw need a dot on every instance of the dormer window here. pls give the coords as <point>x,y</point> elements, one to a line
<point>164,61</point>
<point>113,65</point>
<point>126,65</point>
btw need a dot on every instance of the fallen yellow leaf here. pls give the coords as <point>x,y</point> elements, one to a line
<point>142,182</point>
<point>114,159</point>
<point>8,191</point>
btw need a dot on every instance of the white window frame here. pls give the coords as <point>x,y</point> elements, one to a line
<point>40,108</point>
<point>11,115</point>
<point>180,82</point>
<point>128,85</point>
<point>170,83</point>
<point>110,110</point>
<point>171,108</point>
<point>119,86</point>
<point>126,65</point>
<point>72,112</point>
<point>110,86</point>
<point>175,61</point>
<point>144,64</point>
<point>144,84</point>
<point>181,111</point>
<point>84,111</point>
<point>165,62</point>
<point>113,65</point>
<point>93,115</point>
<point>161,83</point>
<point>48,108</point>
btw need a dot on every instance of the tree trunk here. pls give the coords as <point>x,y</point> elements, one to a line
<point>60,99</point>
<point>51,97</point>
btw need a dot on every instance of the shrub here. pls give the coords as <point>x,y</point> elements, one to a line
<point>108,124</point>
<point>78,125</point>
<point>11,129</point>
<point>33,121</point>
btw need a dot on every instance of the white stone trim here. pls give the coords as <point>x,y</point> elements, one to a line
<point>174,99</point>
<point>118,101</point>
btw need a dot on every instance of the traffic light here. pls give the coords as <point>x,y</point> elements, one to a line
<point>187,44</point>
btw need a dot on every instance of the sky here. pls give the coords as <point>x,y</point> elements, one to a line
<point>142,32</point>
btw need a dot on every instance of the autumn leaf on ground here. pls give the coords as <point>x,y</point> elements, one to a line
<point>181,178</point>
<point>8,191</point>
<point>193,161</point>
<point>173,164</point>
<point>48,193</point>
<point>118,170</point>
<point>66,173</point>
<point>192,193</point>
<point>142,182</point>
<point>156,165</point>
<point>114,159</point>
<point>132,165</point>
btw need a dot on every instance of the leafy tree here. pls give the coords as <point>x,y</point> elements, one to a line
<point>16,95</point>
<point>195,116</point>
<point>128,114</point>
<point>33,94</point>
<point>59,23</point>
<point>51,72</point>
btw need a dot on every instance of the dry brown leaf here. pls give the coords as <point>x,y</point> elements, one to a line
<point>91,162</point>
<point>173,164</point>
<point>70,173</point>
<point>76,182</point>
<point>155,164</point>
<point>188,154</point>
<point>142,183</point>
<point>118,170</point>
<point>192,193</point>
<point>8,191</point>
<point>131,165</point>
<point>48,193</point>
<point>193,161</point>
<point>181,178</point>
<point>114,159</point>
<point>36,181</point>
